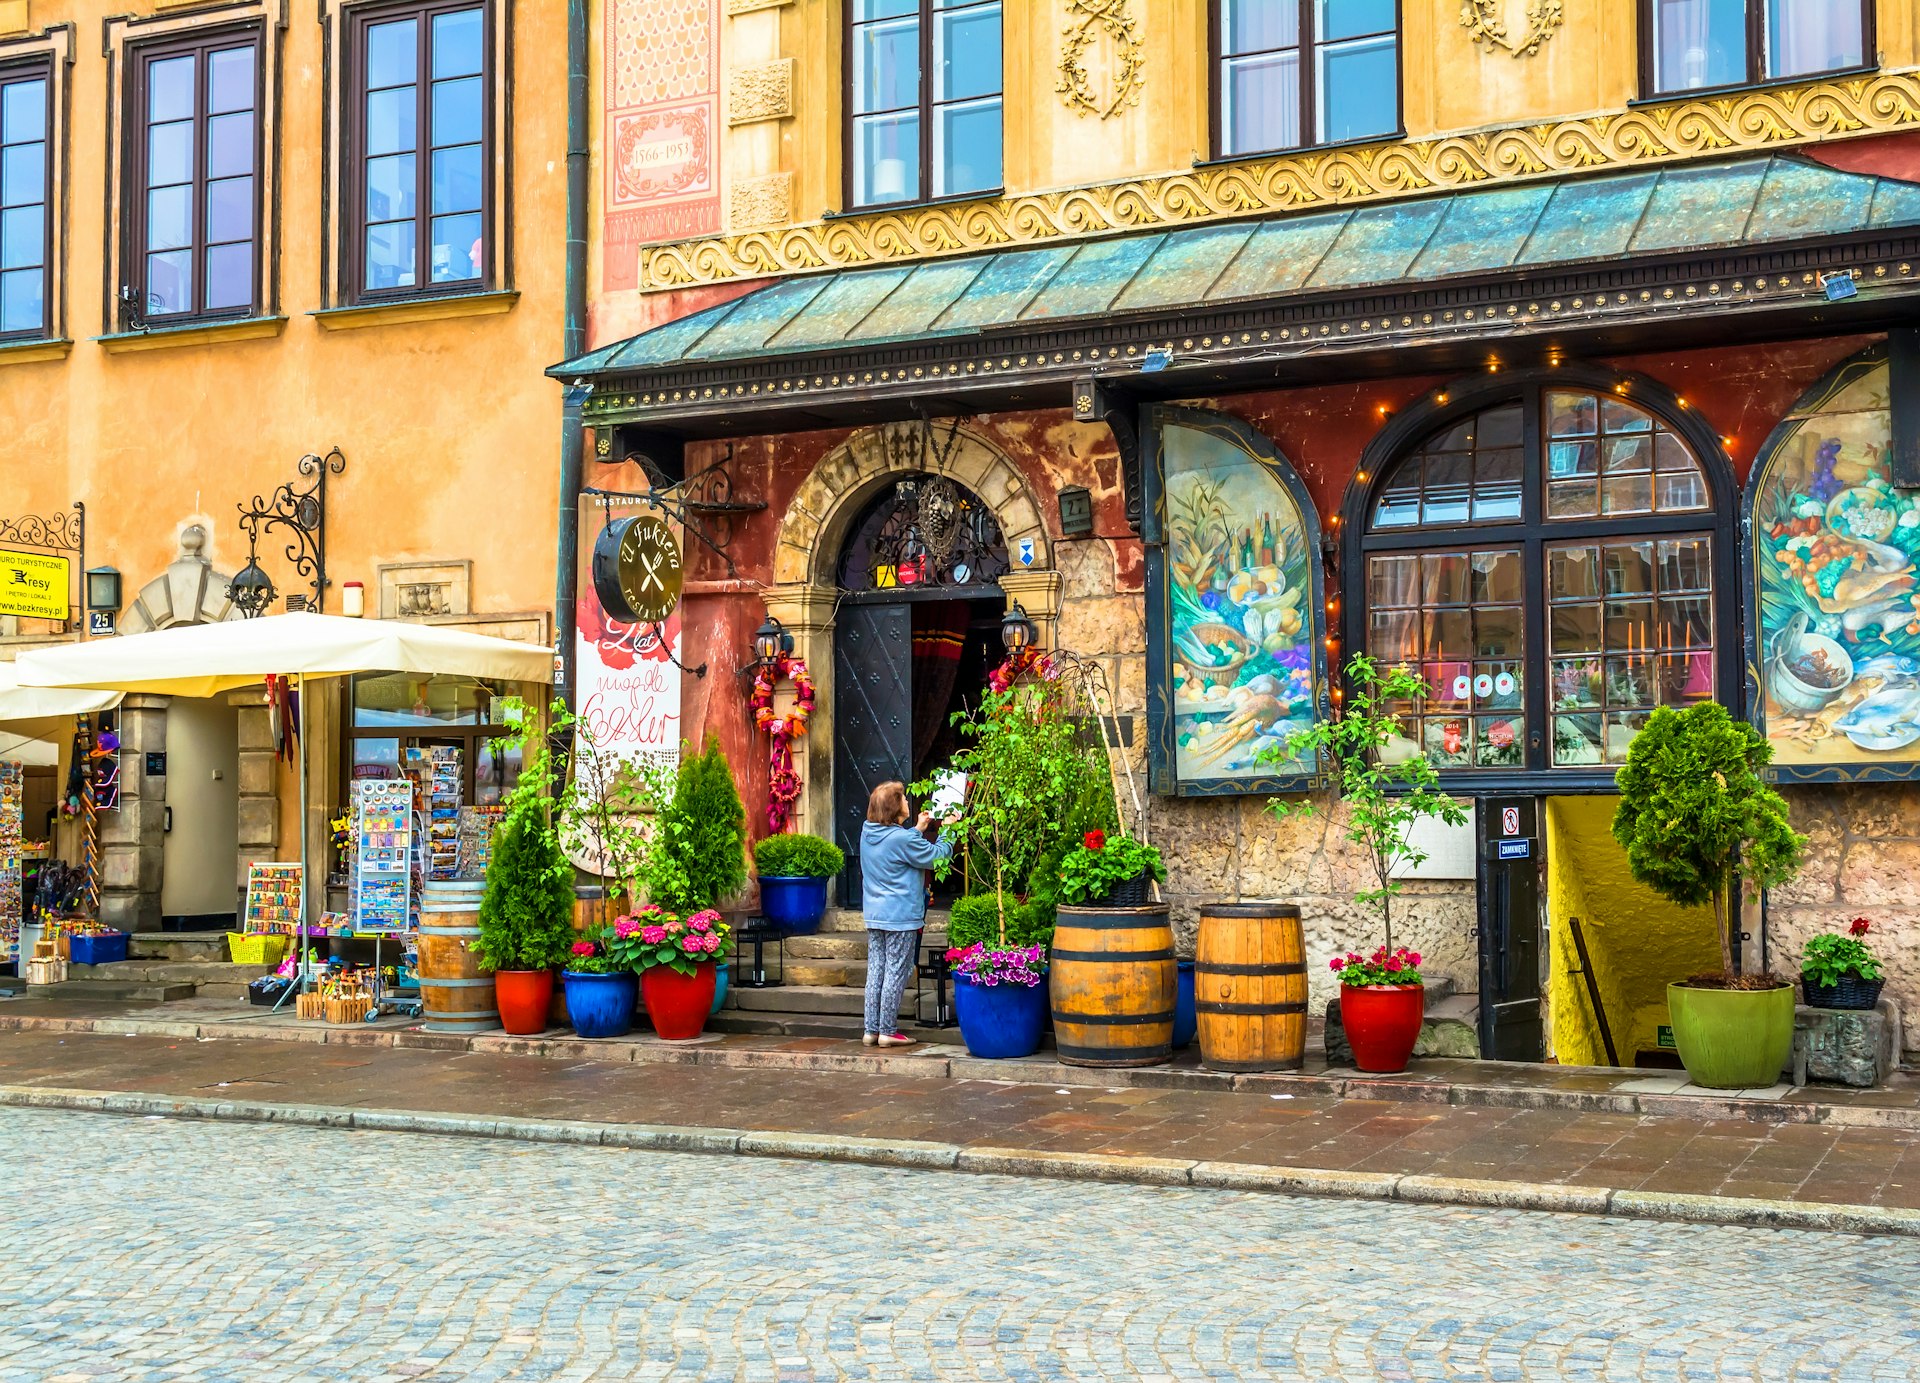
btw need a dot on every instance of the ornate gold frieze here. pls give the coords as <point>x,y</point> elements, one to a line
<point>1645,135</point>
<point>1087,22</point>
<point>1492,22</point>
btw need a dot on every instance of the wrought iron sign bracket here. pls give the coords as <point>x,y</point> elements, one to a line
<point>675,507</point>
<point>1097,401</point>
<point>302,515</point>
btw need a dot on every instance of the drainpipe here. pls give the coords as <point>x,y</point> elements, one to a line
<point>574,343</point>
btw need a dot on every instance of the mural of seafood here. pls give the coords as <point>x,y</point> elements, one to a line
<point>1241,609</point>
<point>1835,546</point>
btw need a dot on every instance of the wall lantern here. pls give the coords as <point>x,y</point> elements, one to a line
<point>251,590</point>
<point>1016,630</point>
<point>103,588</point>
<point>771,640</point>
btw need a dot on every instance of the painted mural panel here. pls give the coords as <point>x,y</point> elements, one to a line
<point>663,127</point>
<point>1241,592</point>
<point>1835,661</point>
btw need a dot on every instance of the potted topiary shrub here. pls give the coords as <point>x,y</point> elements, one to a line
<point>526,917</point>
<point>793,871</point>
<point>998,958</point>
<point>1696,819</point>
<point>1382,996</point>
<point>696,855</point>
<point>1839,971</point>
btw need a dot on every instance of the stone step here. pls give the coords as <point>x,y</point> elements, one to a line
<point>111,991</point>
<point>812,1000</point>
<point>177,946</point>
<point>847,946</point>
<point>845,1027</point>
<point>146,971</point>
<point>843,920</point>
<point>1451,1027</point>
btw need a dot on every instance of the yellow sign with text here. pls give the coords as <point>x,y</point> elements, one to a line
<point>36,585</point>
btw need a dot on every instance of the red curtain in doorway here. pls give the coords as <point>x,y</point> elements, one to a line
<point>939,638</point>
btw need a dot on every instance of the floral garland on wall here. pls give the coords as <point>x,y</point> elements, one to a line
<point>783,783</point>
<point>1018,664</point>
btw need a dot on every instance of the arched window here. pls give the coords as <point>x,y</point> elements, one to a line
<point>1546,562</point>
<point>924,530</point>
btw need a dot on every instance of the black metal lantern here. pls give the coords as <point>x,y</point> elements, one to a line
<point>103,588</point>
<point>770,640</point>
<point>1016,630</point>
<point>251,590</point>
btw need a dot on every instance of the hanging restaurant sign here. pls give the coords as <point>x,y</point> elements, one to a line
<point>37,585</point>
<point>637,571</point>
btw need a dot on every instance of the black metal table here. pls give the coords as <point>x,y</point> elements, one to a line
<point>757,932</point>
<point>933,966</point>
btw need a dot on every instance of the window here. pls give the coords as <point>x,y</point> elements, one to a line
<point>194,218</point>
<point>26,221</point>
<point>1580,596</point>
<point>1293,73</point>
<point>910,139</point>
<point>1696,45</point>
<point>420,145</point>
<point>396,712</point>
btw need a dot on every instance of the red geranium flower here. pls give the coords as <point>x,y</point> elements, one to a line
<point>1859,926</point>
<point>1095,840</point>
<point>583,948</point>
<point>1337,963</point>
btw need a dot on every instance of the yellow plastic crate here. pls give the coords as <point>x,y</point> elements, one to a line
<point>257,948</point>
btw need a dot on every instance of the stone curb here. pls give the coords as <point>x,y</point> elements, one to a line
<point>1412,1088</point>
<point>920,1155</point>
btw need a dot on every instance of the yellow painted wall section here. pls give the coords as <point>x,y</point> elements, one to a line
<point>451,431</point>
<point>1638,942</point>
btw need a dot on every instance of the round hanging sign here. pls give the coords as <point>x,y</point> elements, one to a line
<point>636,569</point>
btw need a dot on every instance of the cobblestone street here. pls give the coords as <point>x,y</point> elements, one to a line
<point>164,1249</point>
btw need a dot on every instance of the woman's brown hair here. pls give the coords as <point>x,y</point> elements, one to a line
<point>888,805</point>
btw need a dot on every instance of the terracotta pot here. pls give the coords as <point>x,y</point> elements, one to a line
<point>1382,1023</point>
<point>524,997</point>
<point>678,1004</point>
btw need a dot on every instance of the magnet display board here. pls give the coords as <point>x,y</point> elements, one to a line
<point>383,863</point>
<point>274,895</point>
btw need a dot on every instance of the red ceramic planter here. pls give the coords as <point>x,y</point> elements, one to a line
<point>524,997</point>
<point>678,1004</point>
<point>1382,1023</point>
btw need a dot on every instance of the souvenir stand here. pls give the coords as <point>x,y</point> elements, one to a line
<point>206,659</point>
<point>383,894</point>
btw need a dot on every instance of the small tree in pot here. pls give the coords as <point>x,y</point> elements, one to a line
<point>1382,997</point>
<point>1695,818</point>
<point>526,913</point>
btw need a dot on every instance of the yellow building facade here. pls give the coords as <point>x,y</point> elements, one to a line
<point>267,231</point>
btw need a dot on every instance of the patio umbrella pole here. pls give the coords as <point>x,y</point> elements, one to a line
<point>300,934</point>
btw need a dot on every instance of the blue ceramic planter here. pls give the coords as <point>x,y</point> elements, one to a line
<point>1186,1022</point>
<point>794,903</point>
<point>720,973</point>
<point>1002,1020</point>
<point>601,1005</point>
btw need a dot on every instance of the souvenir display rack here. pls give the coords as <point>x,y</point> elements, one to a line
<point>274,895</point>
<point>383,858</point>
<point>12,851</point>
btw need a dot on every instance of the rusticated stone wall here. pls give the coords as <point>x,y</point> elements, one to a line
<point>1863,860</point>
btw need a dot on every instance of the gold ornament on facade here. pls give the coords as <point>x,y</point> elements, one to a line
<point>1487,21</point>
<point>1087,22</point>
<point>1645,136</point>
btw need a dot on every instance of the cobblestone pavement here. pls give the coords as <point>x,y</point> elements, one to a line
<point>163,1249</point>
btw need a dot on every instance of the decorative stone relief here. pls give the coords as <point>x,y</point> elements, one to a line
<point>1519,26</point>
<point>764,201</point>
<point>425,590</point>
<point>1109,27</point>
<point>1645,136</point>
<point>764,92</point>
<point>749,6</point>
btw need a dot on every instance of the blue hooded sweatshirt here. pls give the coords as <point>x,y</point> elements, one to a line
<point>893,889</point>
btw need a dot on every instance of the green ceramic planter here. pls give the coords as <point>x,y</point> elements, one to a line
<point>1732,1039</point>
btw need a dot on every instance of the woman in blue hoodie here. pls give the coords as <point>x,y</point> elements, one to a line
<point>894,858</point>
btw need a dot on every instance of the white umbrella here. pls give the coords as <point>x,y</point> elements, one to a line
<point>206,659</point>
<point>41,705</point>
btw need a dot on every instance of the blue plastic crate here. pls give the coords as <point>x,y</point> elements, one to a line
<point>99,949</point>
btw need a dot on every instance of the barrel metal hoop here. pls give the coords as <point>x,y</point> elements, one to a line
<point>1290,967</point>
<point>455,984</point>
<point>1118,923</point>
<point>1251,1010</point>
<point>1288,911</point>
<point>1127,1054</point>
<point>1101,956</point>
<point>1111,1019</point>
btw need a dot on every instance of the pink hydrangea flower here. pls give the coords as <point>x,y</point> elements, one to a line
<point>626,926</point>
<point>653,936</point>
<point>675,928</point>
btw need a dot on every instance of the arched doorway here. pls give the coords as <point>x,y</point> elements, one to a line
<point>1555,554</point>
<point>919,627</point>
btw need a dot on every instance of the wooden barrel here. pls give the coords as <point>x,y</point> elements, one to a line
<point>591,906</point>
<point>456,996</point>
<point>1114,982</point>
<point>1250,987</point>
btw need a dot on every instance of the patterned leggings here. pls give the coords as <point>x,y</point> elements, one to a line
<point>890,957</point>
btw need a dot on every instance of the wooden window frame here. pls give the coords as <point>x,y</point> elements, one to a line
<point>140,56</point>
<point>925,107</point>
<point>353,157</point>
<point>1308,48</point>
<point>1756,73</point>
<point>40,67</point>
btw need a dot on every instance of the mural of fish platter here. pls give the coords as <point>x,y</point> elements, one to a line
<point>1837,652</point>
<point>1241,605</point>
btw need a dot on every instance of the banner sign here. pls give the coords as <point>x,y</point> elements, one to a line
<point>625,687</point>
<point>37,585</point>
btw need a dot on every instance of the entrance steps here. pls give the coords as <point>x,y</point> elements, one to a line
<point>195,978</point>
<point>836,958</point>
<point>110,991</point>
<point>177,946</point>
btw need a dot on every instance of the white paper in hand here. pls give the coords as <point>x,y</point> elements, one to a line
<point>949,793</point>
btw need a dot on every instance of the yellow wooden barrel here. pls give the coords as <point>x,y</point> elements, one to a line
<point>455,995</point>
<point>1250,987</point>
<point>1113,982</point>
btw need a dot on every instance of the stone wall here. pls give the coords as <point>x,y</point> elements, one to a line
<point>1863,860</point>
